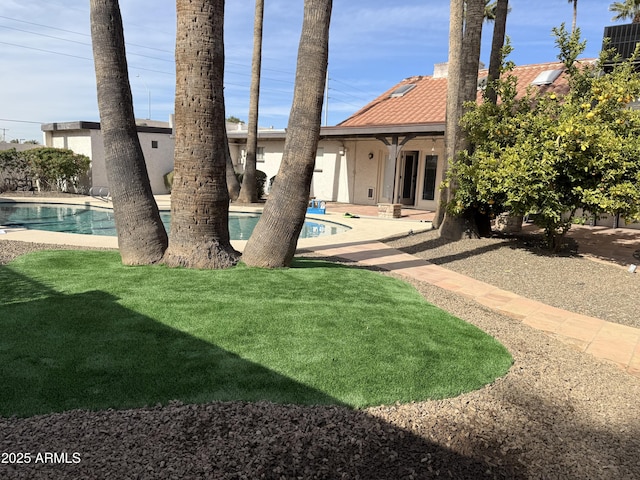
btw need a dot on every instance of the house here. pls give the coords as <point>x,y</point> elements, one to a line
<point>390,151</point>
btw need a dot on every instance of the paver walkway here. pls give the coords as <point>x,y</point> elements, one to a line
<point>619,344</point>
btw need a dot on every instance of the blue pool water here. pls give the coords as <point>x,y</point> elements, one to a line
<point>99,221</point>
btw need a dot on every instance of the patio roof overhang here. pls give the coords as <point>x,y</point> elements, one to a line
<point>343,133</point>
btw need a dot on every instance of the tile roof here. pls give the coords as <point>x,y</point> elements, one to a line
<point>426,102</point>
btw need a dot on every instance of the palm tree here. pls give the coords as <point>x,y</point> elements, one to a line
<point>273,242</point>
<point>465,35</point>
<point>199,234</point>
<point>627,9</point>
<point>248,189</point>
<point>142,238</point>
<point>499,14</point>
<point>575,15</point>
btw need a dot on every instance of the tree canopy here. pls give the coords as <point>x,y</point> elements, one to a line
<point>554,156</point>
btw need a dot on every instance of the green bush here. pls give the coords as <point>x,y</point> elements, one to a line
<point>51,169</point>
<point>15,172</point>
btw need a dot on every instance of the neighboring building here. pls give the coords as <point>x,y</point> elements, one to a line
<point>85,138</point>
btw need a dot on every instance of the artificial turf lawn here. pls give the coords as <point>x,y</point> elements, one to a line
<point>80,330</point>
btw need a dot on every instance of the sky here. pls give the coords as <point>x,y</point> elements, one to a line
<point>47,72</point>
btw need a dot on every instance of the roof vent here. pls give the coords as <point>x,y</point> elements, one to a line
<point>547,77</point>
<point>402,90</point>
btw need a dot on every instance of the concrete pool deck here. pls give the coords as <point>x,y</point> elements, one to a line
<point>362,229</point>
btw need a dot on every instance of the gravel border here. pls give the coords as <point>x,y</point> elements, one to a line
<point>558,413</point>
<point>518,264</point>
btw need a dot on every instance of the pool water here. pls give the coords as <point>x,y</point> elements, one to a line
<point>100,221</point>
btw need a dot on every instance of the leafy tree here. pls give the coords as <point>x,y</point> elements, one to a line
<point>56,168</point>
<point>142,238</point>
<point>13,169</point>
<point>629,9</point>
<point>45,168</point>
<point>199,234</point>
<point>273,242</point>
<point>551,157</point>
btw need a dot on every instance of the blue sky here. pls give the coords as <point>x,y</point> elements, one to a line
<point>47,68</point>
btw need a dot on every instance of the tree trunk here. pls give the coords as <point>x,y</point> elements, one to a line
<point>274,240</point>
<point>495,61</point>
<point>452,227</point>
<point>142,238</point>
<point>248,190</point>
<point>454,105</point>
<point>199,235</point>
<point>233,186</point>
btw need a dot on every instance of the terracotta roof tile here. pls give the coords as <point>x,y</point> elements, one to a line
<point>426,102</point>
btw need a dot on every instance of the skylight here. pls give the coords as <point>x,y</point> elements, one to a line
<point>547,77</point>
<point>400,91</point>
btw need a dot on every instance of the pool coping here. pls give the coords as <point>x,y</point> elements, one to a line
<point>363,229</point>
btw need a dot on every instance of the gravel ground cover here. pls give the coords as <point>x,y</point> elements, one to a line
<point>558,414</point>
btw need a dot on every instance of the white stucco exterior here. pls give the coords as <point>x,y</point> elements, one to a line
<point>86,138</point>
<point>364,169</point>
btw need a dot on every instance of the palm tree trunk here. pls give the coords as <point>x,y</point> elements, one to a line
<point>233,186</point>
<point>142,238</point>
<point>454,105</point>
<point>497,42</point>
<point>248,190</point>
<point>199,234</point>
<point>454,228</point>
<point>274,240</point>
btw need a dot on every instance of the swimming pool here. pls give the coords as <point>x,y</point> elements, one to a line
<point>100,221</point>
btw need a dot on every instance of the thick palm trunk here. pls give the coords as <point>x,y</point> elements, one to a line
<point>199,235</point>
<point>248,189</point>
<point>142,238</point>
<point>274,240</point>
<point>454,228</point>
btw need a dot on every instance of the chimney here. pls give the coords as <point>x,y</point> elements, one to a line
<point>440,70</point>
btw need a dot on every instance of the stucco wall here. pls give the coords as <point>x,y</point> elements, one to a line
<point>89,142</point>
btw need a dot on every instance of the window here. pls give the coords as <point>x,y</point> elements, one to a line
<point>402,90</point>
<point>547,77</point>
<point>430,169</point>
<point>260,154</point>
<point>154,144</point>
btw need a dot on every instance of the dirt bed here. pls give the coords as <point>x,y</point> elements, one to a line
<point>557,414</point>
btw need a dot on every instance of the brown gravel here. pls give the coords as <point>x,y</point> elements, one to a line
<point>557,414</point>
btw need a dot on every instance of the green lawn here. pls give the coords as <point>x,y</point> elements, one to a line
<point>79,330</point>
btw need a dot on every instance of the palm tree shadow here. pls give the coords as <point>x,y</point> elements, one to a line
<point>530,242</point>
<point>70,355</point>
